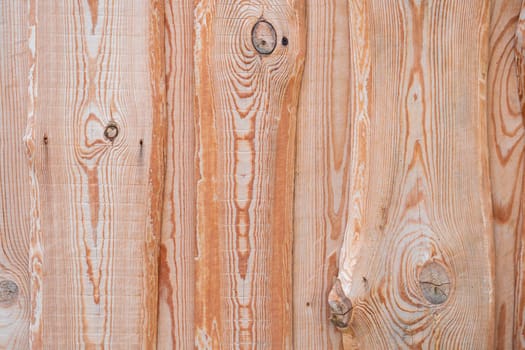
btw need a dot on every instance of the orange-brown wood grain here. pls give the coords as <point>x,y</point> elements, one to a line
<point>96,143</point>
<point>517,248</point>
<point>176,269</point>
<point>417,262</point>
<point>14,177</point>
<point>506,146</point>
<point>246,104</point>
<point>322,172</point>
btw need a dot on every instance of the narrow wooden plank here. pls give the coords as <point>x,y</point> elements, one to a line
<point>416,268</point>
<point>96,133</point>
<point>14,179</point>
<point>322,172</point>
<point>518,329</point>
<point>247,87</point>
<point>506,146</point>
<point>176,269</point>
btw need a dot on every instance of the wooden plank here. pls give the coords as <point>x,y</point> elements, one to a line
<point>96,145</point>
<point>416,268</point>
<point>176,269</point>
<point>518,329</point>
<point>14,179</point>
<point>322,172</point>
<point>506,146</point>
<point>246,100</point>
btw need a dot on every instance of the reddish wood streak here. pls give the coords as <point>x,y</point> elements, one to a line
<point>246,105</point>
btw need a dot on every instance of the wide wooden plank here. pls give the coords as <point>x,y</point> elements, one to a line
<point>248,61</point>
<point>416,268</point>
<point>14,177</point>
<point>322,172</point>
<point>176,269</point>
<point>507,156</point>
<point>96,146</point>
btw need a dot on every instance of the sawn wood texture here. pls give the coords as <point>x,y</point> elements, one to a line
<point>184,184</point>
<point>177,249</point>
<point>14,177</point>
<point>507,155</point>
<point>322,170</point>
<point>97,195</point>
<point>417,263</point>
<point>246,104</point>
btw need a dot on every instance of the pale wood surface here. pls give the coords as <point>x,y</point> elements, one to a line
<point>321,172</point>
<point>246,113</point>
<point>394,110</point>
<point>518,329</point>
<point>96,218</point>
<point>417,260</point>
<point>14,177</point>
<point>176,269</point>
<point>506,145</point>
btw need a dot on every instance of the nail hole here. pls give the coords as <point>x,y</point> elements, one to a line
<point>45,139</point>
<point>308,304</point>
<point>284,41</point>
<point>111,132</point>
<point>141,142</point>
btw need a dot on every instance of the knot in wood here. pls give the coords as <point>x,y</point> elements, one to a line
<point>264,37</point>
<point>111,131</point>
<point>340,306</point>
<point>8,292</point>
<point>435,283</point>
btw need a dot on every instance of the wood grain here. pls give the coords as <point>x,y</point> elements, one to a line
<point>518,248</point>
<point>322,172</point>
<point>96,217</point>
<point>246,106</point>
<point>176,269</point>
<point>420,212</point>
<point>506,146</point>
<point>14,179</point>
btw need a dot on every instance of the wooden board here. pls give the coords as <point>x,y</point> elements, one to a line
<point>96,144</point>
<point>507,146</point>
<point>518,329</point>
<point>176,269</point>
<point>322,172</point>
<point>14,177</point>
<point>417,262</point>
<point>246,104</point>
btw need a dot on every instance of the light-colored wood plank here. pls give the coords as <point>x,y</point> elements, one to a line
<point>176,269</point>
<point>322,172</point>
<point>246,105</point>
<point>518,329</point>
<point>417,259</point>
<point>97,68</point>
<point>14,177</point>
<point>506,145</point>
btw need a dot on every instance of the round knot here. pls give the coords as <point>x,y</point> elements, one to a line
<point>111,131</point>
<point>264,38</point>
<point>434,283</point>
<point>8,292</point>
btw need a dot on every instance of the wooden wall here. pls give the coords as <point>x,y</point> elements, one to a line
<point>202,173</point>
